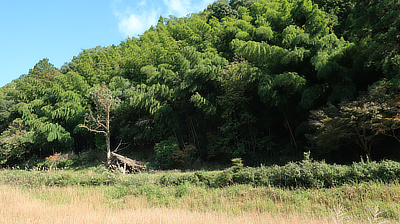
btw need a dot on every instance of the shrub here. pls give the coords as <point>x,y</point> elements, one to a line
<point>310,174</point>
<point>223,179</point>
<point>179,179</point>
<point>164,151</point>
<point>301,174</point>
<point>207,177</point>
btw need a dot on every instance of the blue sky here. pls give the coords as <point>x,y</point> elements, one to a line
<point>59,30</point>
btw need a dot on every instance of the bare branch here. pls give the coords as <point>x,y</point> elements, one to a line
<point>92,130</point>
<point>117,149</point>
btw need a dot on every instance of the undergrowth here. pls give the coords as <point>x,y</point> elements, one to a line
<point>363,190</point>
<point>302,174</point>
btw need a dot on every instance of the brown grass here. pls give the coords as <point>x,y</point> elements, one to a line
<point>71,205</point>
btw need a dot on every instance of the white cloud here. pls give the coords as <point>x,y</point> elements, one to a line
<point>181,8</point>
<point>178,7</point>
<point>135,17</point>
<point>132,25</point>
<point>142,3</point>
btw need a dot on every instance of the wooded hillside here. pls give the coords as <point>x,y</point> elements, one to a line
<point>264,80</point>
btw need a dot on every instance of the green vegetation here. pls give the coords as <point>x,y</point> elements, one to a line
<point>294,175</point>
<point>259,80</point>
<point>351,191</point>
<point>251,82</point>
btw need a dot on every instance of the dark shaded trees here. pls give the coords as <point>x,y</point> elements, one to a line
<point>374,26</point>
<point>362,122</point>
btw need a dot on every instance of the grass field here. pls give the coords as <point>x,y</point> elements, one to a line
<point>55,197</point>
<point>72,205</point>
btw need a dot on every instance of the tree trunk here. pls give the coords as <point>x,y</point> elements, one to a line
<point>108,142</point>
<point>293,140</point>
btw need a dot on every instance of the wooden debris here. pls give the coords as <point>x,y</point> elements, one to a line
<point>126,164</point>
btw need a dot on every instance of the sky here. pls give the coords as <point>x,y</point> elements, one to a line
<point>31,30</point>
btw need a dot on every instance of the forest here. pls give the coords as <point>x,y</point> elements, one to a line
<point>260,80</point>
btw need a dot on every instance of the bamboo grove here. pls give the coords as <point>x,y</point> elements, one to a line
<point>264,80</point>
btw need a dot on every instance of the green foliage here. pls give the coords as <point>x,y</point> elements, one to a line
<point>276,90</point>
<point>95,65</point>
<point>358,122</point>
<point>374,26</point>
<point>221,9</point>
<point>164,151</point>
<point>237,164</point>
<point>313,174</point>
<point>357,201</point>
<point>338,11</point>
<point>175,179</point>
<point>236,80</point>
<point>47,108</point>
<point>13,144</point>
<point>7,104</point>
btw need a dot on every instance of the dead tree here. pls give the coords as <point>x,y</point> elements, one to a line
<point>99,122</point>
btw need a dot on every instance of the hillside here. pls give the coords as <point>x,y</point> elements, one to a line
<point>261,80</point>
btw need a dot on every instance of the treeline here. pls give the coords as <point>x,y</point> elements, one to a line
<point>263,80</point>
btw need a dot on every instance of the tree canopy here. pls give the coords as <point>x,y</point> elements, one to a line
<point>239,79</point>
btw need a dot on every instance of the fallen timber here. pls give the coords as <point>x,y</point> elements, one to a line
<point>125,164</point>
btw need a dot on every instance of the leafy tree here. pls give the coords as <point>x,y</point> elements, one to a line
<point>236,4</point>
<point>237,129</point>
<point>352,122</point>
<point>221,9</point>
<point>373,25</point>
<point>37,98</point>
<point>7,104</point>
<point>388,94</point>
<point>13,145</point>
<point>237,79</point>
<point>338,11</point>
<point>164,151</point>
<point>96,65</point>
<point>358,122</point>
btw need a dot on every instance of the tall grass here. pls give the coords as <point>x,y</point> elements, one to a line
<point>71,205</point>
<point>345,204</point>
<point>308,190</point>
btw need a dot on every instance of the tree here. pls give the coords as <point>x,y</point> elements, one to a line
<point>99,121</point>
<point>358,122</point>
<point>44,107</point>
<point>13,145</point>
<point>235,4</point>
<point>221,9</point>
<point>7,104</point>
<point>374,26</point>
<point>352,122</point>
<point>338,11</point>
<point>388,94</point>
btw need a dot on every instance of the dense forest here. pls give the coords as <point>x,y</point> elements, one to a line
<point>263,80</point>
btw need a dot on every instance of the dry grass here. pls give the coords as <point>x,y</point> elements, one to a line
<point>71,205</point>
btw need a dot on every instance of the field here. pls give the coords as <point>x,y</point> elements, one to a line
<point>90,196</point>
<point>19,207</point>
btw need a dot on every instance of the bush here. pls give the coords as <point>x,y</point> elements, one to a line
<point>223,179</point>
<point>310,174</point>
<point>177,179</point>
<point>301,174</point>
<point>207,177</point>
<point>164,151</point>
